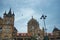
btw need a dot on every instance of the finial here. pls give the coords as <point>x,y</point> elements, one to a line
<point>10,10</point>
<point>32,17</point>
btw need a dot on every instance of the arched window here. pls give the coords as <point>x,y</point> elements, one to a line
<point>0,29</point>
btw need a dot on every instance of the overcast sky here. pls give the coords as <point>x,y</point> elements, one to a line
<point>25,9</point>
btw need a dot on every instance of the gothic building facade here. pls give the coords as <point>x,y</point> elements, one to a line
<point>7,29</point>
<point>9,32</point>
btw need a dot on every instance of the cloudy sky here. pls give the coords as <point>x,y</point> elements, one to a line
<point>25,9</point>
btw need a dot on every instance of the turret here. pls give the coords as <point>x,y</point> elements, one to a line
<point>9,17</point>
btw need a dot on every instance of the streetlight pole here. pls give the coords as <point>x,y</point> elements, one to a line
<point>44,17</point>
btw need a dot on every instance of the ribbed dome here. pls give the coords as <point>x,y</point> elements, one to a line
<point>33,22</point>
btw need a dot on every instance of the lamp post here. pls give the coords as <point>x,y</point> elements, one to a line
<point>44,17</point>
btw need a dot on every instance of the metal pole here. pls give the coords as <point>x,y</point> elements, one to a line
<point>44,17</point>
<point>45,27</point>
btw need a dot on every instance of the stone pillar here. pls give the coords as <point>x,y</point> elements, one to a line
<point>23,38</point>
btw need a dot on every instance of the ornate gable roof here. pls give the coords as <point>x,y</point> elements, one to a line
<point>56,29</point>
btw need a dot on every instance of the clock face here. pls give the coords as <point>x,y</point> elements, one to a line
<point>32,27</point>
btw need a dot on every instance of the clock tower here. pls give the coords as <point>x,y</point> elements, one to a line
<point>8,25</point>
<point>33,27</point>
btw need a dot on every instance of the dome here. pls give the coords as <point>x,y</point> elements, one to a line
<point>33,22</point>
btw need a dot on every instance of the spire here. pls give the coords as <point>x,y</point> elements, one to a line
<point>13,14</point>
<point>9,11</point>
<point>5,13</point>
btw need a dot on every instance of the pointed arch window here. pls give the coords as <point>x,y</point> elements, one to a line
<point>8,21</point>
<point>32,27</point>
<point>0,29</point>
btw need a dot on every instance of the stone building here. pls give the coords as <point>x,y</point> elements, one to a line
<point>55,35</point>
<point>7,29</point>
<point>34,29</point>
